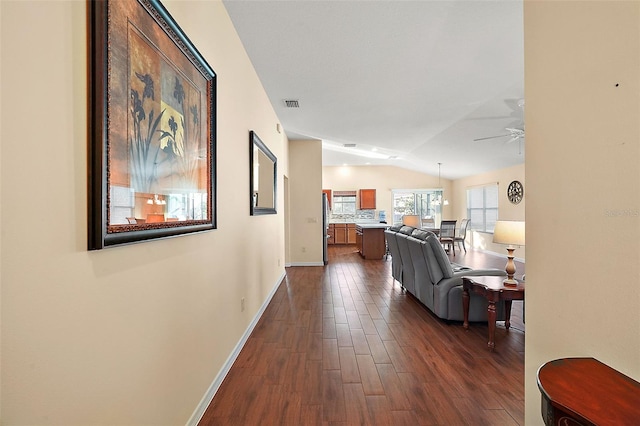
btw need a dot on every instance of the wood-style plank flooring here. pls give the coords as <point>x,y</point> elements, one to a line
<point>345,345</point>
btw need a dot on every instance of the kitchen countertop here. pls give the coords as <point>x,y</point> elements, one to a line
<point>358,221</point>
<point>369,225</point>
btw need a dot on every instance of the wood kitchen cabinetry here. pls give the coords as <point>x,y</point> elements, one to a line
<point>351,233</point>
<point>367,199</point>
<point>331,233</point>
<point>342,233</point>
<point>370,240</point>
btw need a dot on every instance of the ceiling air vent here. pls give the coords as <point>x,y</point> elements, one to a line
<point>349,145</point>
<point>291,103</point>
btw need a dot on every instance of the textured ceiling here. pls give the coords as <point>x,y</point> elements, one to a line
<point>414,80</point>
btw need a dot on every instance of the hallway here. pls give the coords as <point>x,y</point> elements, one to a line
<point>344,345</point>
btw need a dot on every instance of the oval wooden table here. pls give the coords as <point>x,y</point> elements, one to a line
<point>586,392</point>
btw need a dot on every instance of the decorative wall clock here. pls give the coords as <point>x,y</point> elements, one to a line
<point>515,192</point>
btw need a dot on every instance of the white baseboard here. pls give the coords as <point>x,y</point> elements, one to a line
<point>306,264</point>
<point>217,381</point>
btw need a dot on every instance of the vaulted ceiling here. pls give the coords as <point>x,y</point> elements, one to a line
<point>406,83</point>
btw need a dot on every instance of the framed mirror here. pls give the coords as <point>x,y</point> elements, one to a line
<point>263,172</point>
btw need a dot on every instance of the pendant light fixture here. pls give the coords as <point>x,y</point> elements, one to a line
<point>439,199</point>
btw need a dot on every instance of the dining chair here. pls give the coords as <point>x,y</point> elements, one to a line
<point>428,223</point>
<point>462,234</point>
<point>448,234</point>
<point>135,221</point>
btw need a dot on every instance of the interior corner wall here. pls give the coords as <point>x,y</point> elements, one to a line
<point>134,334</point>
<point>506,210</point>
<point>305,197</point>
<point>582,85</point>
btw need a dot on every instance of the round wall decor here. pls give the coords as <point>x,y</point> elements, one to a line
<point>515,192</point>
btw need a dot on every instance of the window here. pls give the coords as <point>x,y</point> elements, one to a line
<point>482,207</point>
<point>344,202</point>
<point>420,201</point>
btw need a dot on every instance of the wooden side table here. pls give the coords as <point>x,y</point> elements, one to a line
<point>493,290</point>
<point>586,392</point>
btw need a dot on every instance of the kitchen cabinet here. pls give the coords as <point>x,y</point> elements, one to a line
<point>342,233</point>
<point>340,236</point>
<point>351,233</point>
<point>367,199</point>
<point>331,233</point>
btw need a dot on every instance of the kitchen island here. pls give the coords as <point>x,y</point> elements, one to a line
<point>370,240</point>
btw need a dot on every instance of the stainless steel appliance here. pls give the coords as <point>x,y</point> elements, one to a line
<point>325,225</point>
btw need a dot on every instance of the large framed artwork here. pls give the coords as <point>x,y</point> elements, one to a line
<point>152,127</point>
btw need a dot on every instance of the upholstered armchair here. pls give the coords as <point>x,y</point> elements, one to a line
<point>447,285</point>
<point>437,283</point>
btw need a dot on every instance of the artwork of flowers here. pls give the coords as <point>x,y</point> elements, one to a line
<point>153,127</point>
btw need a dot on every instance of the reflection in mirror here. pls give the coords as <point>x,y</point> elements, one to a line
<point>263,174</point>
<point>129,207</point>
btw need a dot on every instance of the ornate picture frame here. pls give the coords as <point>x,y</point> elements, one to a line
<point>152,127</point>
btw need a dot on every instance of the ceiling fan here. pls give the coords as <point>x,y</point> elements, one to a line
<point>514,135</point>
<point>516,128</point>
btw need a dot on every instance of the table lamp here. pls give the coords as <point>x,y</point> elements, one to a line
<point>411,220</point>
<point>509,232</point>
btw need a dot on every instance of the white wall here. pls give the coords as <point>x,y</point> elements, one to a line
<point>133,334</point>
<point>305,194</point>
<point>582,71</point>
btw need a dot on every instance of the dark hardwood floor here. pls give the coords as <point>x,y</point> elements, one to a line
<point>345,345</point>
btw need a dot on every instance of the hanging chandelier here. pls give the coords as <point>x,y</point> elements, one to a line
<point>439,199</point>
<point>156,200</point>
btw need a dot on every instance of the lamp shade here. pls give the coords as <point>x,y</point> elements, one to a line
<point>509,232</point>
<point>411,220</point>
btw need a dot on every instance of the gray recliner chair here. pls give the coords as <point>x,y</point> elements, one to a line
<point>424,293</point>
<point>408,275</point>
<point>396,260</point>
<point>438,282</point>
